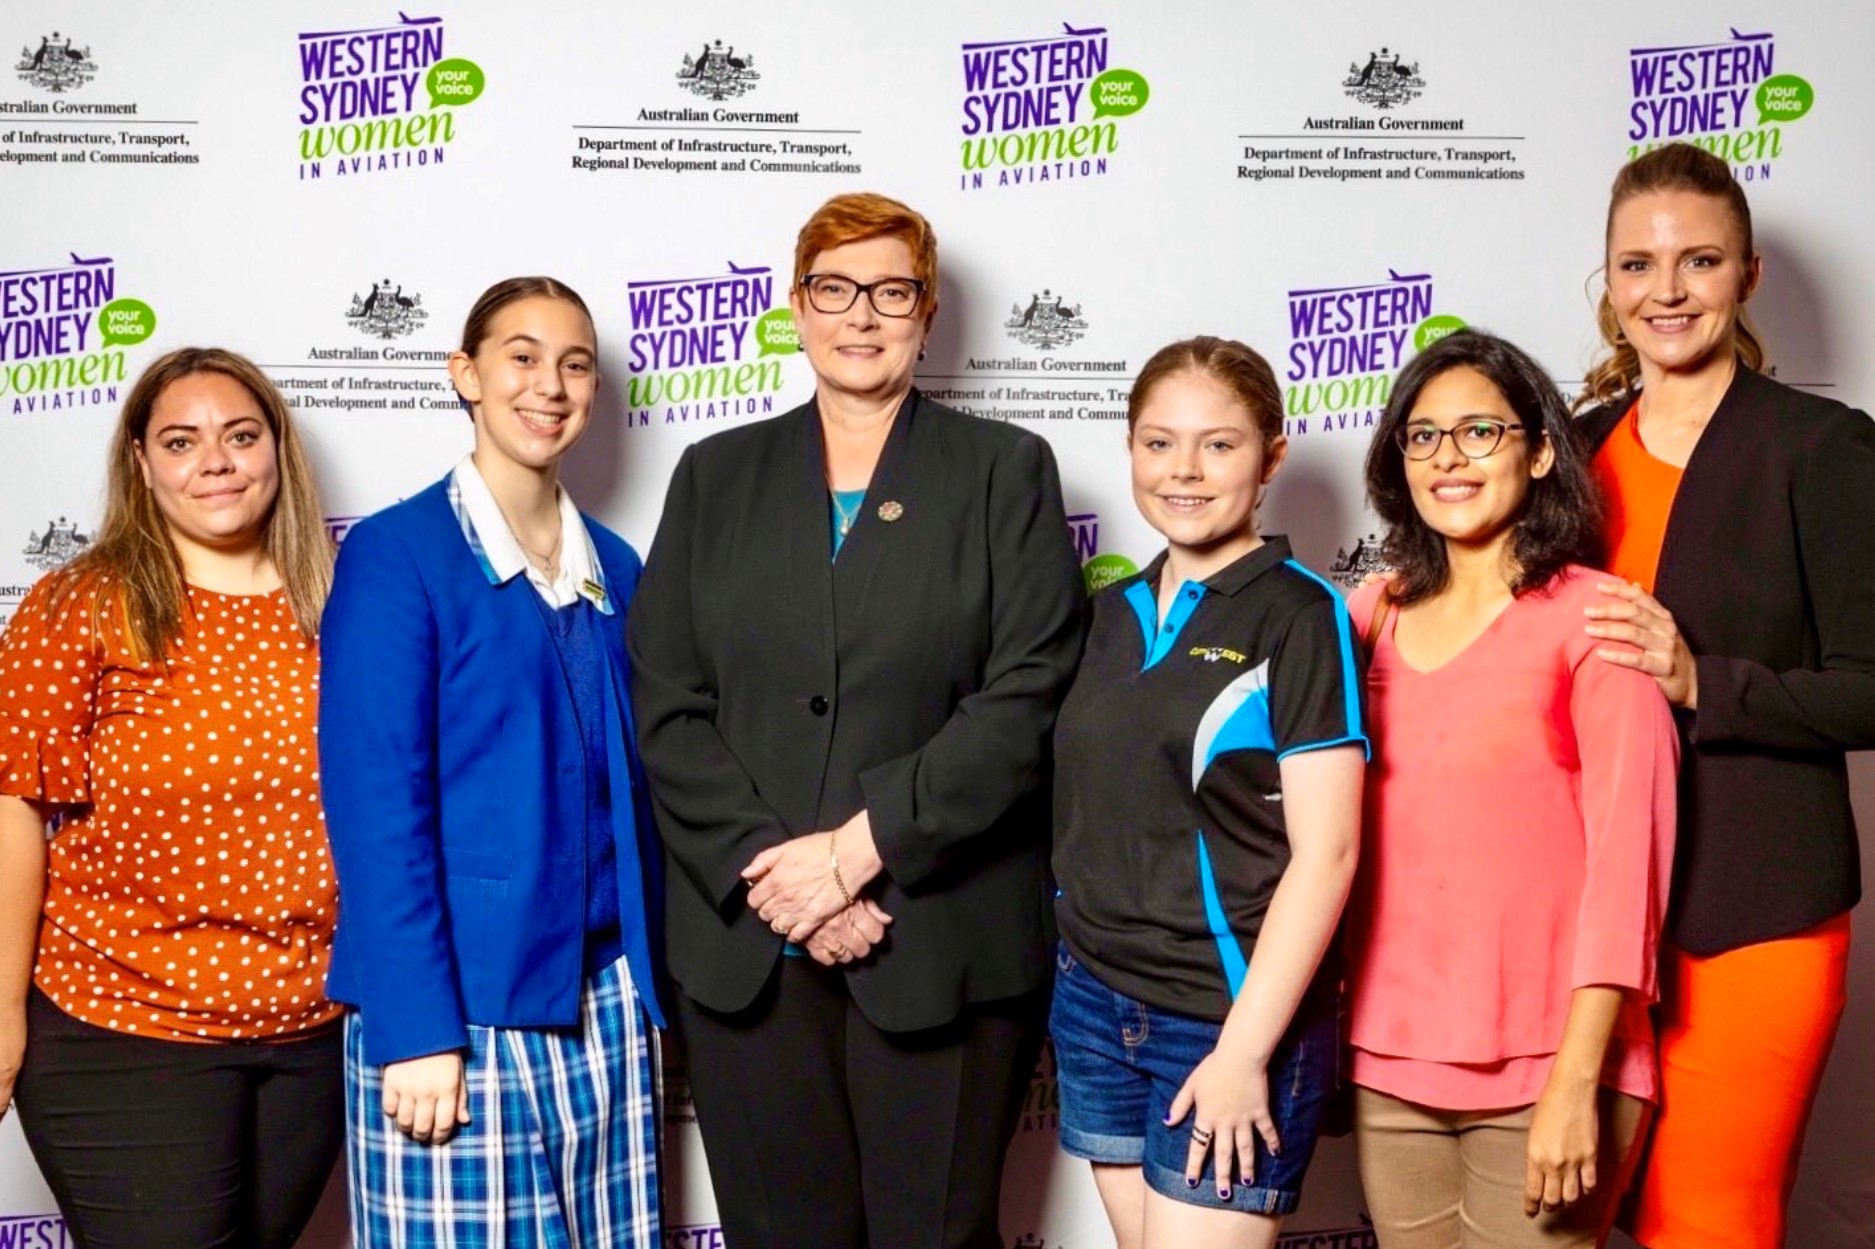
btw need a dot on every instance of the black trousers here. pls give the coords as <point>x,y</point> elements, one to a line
<point>154,1143</point>
<point>824,1132</point>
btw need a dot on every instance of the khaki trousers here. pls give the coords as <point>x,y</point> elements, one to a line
<point>1453,1179</point>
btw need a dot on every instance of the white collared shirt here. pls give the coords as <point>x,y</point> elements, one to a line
<point>501,554</point>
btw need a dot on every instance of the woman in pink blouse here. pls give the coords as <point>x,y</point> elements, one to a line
<point>1520,827</point>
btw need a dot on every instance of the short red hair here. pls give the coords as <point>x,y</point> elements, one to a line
<point>864,215</point>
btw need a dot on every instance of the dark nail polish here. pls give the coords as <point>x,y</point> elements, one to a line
<point>1190,1183</point>
<point>1223,1194</point>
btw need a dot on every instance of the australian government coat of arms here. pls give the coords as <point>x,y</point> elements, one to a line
<point>56,545</point>
<point>1385,81</point>
<point>57,64</point>
<point>718,73</point>
<point>387,313</point>
<point>1046,323</point>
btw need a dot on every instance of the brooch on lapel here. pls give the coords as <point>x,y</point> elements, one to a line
<point>891,510</point>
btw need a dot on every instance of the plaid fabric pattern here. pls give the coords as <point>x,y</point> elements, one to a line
<point>560,1152</point>
<point>461,510</point>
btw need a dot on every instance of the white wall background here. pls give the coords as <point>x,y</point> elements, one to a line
<point>1176,234</point>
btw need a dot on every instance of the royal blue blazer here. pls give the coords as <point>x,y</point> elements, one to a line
<point>454,783</point>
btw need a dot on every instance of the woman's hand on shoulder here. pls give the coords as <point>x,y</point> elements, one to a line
<point>1630,614</point>
<point>427,1096</point>
<point>1227,1099</point>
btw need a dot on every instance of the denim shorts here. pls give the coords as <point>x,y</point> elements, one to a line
<point>1120,1063</point>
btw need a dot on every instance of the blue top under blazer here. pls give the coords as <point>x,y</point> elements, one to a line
<point>454,786</point>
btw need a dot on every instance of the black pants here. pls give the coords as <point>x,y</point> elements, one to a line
<point>824,1132</point>
<point>153,1143</point>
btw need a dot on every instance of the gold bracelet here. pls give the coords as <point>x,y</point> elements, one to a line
<point>833,861</point>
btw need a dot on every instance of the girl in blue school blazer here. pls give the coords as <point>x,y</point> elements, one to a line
<point>496,867</point>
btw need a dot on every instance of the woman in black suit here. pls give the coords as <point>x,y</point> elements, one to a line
<point>1741,515</point>
<point>856,624</point>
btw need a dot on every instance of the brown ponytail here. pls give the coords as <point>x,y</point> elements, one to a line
<point>1672,167</point>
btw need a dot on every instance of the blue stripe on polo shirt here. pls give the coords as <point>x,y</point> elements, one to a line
<point>1229,953</point>
<point>1350,677</point>
<point>1237,719</point>
<point>1159,637</point>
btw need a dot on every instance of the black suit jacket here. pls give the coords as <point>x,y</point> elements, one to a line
<point>778,691</point>
<point>1768,567</point>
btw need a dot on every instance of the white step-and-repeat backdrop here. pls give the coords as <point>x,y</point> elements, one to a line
<point>327,187</point>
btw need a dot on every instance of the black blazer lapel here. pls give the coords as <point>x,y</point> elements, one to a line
<point>895,480</point>
<point>1703,516</point>
<point>807,534</point>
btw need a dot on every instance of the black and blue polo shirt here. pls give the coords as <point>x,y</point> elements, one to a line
<point>1169,832</point>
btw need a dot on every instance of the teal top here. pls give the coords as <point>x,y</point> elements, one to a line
<point>843,511</point>
<point>843,505</point>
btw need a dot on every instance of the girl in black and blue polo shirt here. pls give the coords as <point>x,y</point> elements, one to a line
<point>1207,811</point>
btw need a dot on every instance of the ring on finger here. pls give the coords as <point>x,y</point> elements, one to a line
<point>779,927</point>
<point>1202,1136</point>
<point>840,951</point>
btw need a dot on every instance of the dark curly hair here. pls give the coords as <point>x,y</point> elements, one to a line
<point>1560,522</point>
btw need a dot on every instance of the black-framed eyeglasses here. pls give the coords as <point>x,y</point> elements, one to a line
<point>890,297</point>
<point>1474,439</point>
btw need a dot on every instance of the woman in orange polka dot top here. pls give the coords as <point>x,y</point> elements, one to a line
<point>162,957</point>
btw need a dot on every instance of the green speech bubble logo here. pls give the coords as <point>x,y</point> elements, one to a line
<point>126,322</point>
<point>1784,98</point>
<point>1119,93</point>
<point>1103,570</point>
<point>1432,329</point>
<point>454,82</point>
<point>776,332</point>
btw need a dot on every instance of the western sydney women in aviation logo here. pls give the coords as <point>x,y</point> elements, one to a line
<point>358,106</point>
<point>718,73</point>
<point>1033,108</point>
<point>1725,96</point>
<point>57,64</point>
<point>63,331</point>
<point>1346,345</point>
<point>386,313</point>
<point>700,347</point>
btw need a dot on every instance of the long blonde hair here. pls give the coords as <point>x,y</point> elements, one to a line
<point>134,551</point>
<point>1671,167</point>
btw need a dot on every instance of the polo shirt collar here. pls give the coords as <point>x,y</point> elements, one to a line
<point>1236,575</point>
<point>500,555</point>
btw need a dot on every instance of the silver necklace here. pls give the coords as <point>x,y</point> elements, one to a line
<point>843,518</point>
<point>549,564</point>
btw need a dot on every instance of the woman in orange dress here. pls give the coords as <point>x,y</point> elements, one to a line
<point>163,1023</point>
<point>1741,514</point>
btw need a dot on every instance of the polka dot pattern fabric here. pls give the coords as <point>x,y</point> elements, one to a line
<point>189,894</point>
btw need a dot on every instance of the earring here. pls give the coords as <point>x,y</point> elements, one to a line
<point>922,353</point>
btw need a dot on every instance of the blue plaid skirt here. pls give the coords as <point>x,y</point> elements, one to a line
<point>561,1150</point>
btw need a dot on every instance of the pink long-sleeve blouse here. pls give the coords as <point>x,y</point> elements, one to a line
<point>1519,843</point>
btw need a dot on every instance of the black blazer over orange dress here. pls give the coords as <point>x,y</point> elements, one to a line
<point>1768,567</point>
